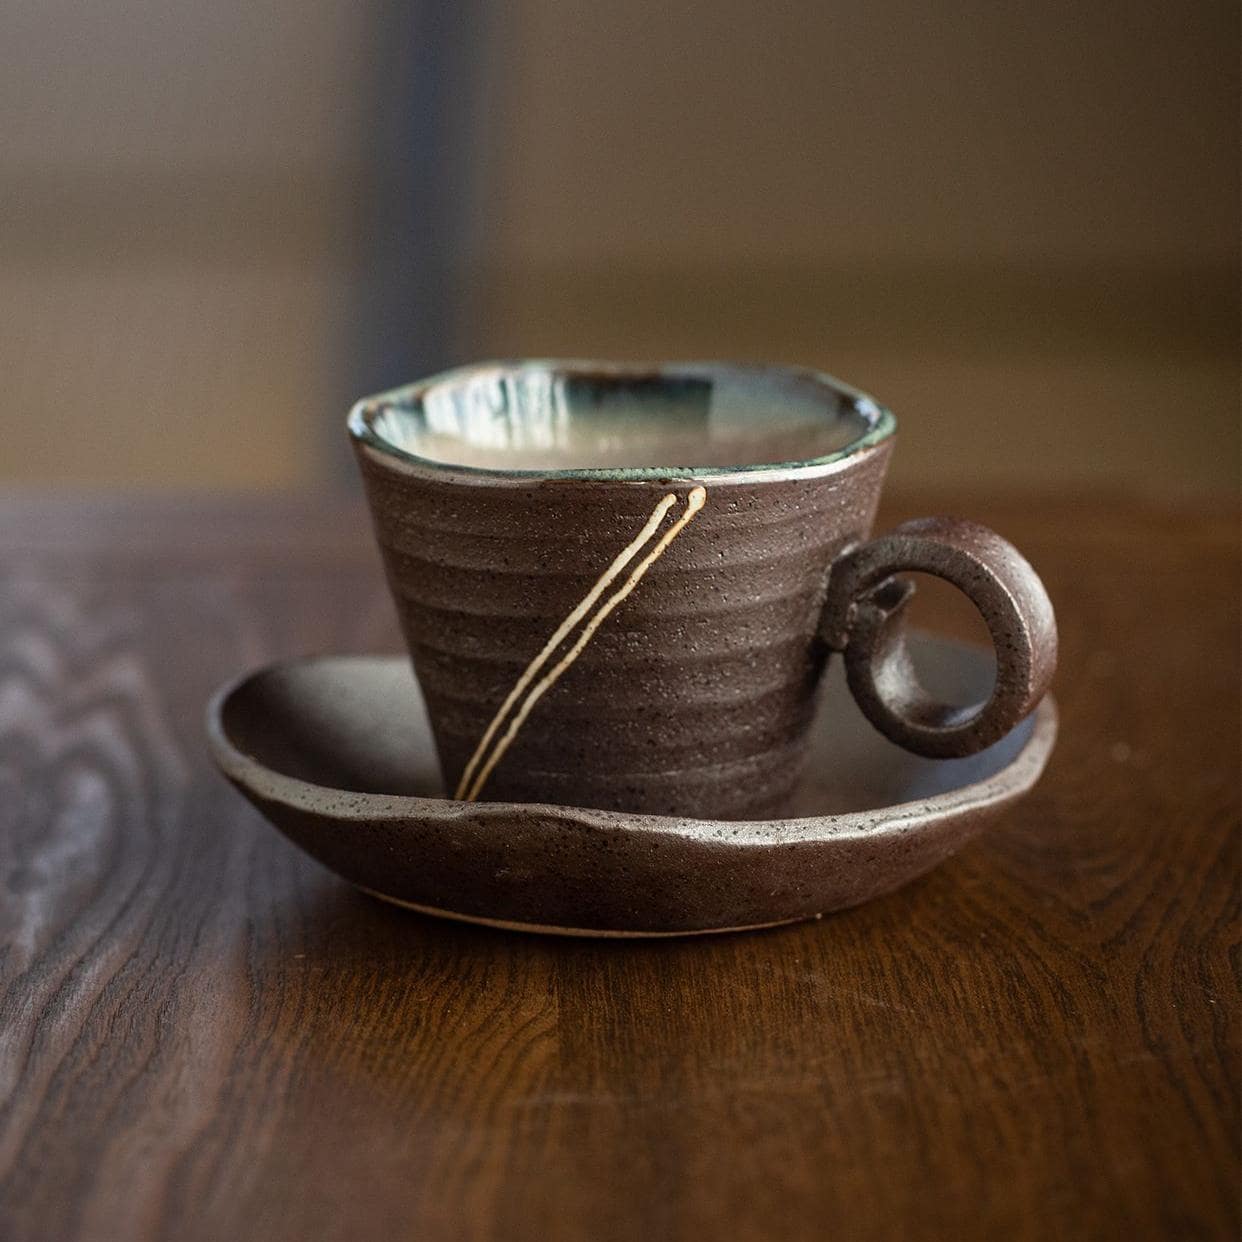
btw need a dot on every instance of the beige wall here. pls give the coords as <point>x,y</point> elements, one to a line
<point>1017,224</point>
<point>725,132</point>
<point>174,179</point>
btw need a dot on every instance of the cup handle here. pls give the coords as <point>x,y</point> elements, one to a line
<point>863,617</point>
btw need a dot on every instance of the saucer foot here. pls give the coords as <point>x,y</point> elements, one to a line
<point>583,933</point>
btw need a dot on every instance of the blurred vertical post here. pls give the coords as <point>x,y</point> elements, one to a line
<point>410,214</point>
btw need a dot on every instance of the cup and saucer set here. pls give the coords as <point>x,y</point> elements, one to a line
<point>644,698</point>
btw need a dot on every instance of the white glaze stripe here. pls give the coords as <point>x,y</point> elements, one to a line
<point>630,551</point>
<point>694,502</point>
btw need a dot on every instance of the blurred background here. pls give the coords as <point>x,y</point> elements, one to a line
<point>1016,223</point>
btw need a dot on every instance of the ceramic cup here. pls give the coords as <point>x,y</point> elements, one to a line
<point>620,584</point>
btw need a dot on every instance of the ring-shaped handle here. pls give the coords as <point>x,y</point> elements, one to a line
<point>863,619</point>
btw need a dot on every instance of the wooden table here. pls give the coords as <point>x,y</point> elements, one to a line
<point>204,1035</point>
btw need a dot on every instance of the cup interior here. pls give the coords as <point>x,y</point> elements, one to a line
<point>576,417</point>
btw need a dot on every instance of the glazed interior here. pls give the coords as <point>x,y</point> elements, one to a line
<point>554,417</point>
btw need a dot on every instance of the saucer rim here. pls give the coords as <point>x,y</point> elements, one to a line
<point>1015,778</point>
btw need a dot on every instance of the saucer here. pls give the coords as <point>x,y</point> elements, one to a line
<point>337,753</point>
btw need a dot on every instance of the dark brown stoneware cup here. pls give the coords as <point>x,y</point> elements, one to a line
<point>592,629</point>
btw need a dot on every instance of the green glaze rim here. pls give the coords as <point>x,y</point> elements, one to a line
<point>882,422</point>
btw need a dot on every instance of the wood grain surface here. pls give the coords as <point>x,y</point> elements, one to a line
<point>204,1035</point>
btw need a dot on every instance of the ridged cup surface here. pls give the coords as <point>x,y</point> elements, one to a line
<point>694,697</point>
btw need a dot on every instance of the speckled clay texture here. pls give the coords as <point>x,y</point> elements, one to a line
<point>337,754</point>
<point>694,697</point>
<point>690,692</point>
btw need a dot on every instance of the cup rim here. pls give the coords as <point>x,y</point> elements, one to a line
<point>880,421</point>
